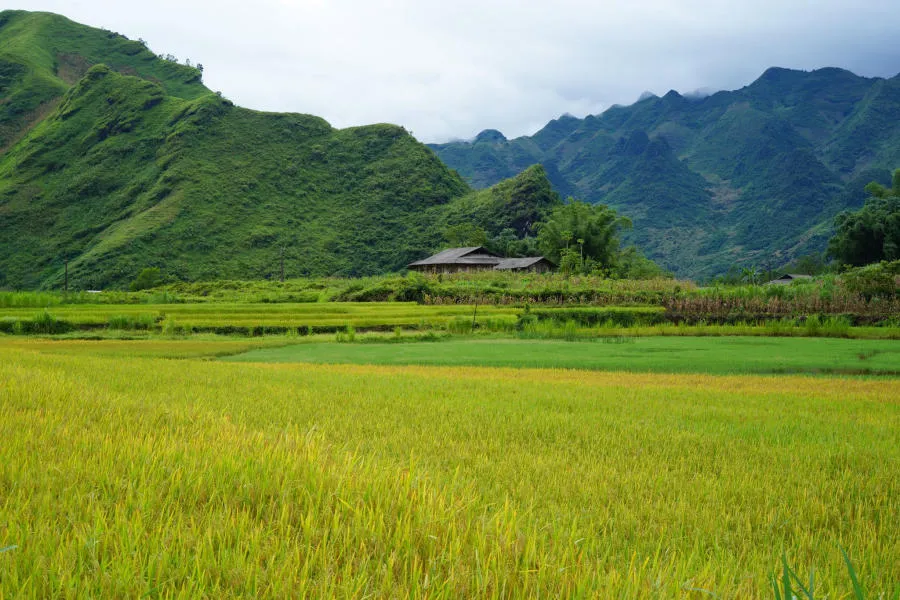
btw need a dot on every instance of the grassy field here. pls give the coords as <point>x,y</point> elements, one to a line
<point>643,354</point>
<point>123,476</point>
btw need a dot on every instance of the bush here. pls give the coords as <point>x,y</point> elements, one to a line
<point>146,279</point>
<point>874,281</point>
<point>44,323</point>
<point>131,322</point>
<point>347,335</point>
<point>813,325</point>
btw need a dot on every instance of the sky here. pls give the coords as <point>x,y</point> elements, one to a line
<point>447,69</point>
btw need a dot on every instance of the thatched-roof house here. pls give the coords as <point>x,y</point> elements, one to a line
<point>789,278</point>
<point>478,258</point>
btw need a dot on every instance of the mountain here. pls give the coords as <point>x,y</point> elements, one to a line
<point>115,159</point>
<point>751,177</point>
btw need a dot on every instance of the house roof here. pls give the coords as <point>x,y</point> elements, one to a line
<point>519,263</point>
<point>788,277</point>
<point>460,256</point>
<point>477,255</point>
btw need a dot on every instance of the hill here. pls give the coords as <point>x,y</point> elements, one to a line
<point>751,177</point>
<point>115,159</point>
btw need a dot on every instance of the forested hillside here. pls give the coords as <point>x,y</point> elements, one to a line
<point>752,177</point>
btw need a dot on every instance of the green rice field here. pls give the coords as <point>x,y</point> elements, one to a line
<point>763,355</point>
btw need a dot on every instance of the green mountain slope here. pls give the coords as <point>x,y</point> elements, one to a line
<point>748,177</point>
<point>131,163</point>
<point>42,54</point>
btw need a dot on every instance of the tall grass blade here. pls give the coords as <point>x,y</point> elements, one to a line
<point>857,588</point>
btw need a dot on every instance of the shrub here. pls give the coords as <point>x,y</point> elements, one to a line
<point>836,326</point>
<point>131,322</point>
<point>813,325</point>
<point>44,323</point>
<point>874,281</point>
<point>146,279</point>
<point>347,335</point>
<point>8,325</point>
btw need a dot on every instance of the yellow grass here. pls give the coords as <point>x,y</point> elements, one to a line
<point>129,477</point>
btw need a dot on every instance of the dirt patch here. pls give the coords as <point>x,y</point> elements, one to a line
<point>71,67</point>
<point>9,136</point>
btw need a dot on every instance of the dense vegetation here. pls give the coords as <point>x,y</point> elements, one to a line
<point>871,234</point>
<point>752,177</point>
<point>130,165</point>
<point>502,302</point>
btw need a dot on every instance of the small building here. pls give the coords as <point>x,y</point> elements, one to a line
<point>789,278</point>
<point>478,258</point>
<point>533,264</point>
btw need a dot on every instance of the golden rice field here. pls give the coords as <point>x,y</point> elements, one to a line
<point>124,475</point>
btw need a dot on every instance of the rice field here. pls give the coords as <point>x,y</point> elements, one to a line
<point>125,474</point>
<point>321,316</point>
<point>725,355</point>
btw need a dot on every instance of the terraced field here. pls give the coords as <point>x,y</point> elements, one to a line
<point>318,316</point>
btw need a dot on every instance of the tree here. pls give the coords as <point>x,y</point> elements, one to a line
<point>593,227</point>
<point>871,234</point>
<point>146,279</point>
<point>750,275</point>
<point>464,235</point>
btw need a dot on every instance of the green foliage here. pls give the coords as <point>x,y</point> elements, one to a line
<point>132,322</point>
<point>632,264</point>
<point>871,234</point>
<point>808,264</point>
<point>504,218</point>
<point>881,280</point>
<point>464,235</point>
<point>591,231</point>
<point>146,279</point>
<point>41,324</point>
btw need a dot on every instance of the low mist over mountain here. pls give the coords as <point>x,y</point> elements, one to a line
<point>751,177</point>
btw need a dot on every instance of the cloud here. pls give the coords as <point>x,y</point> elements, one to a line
<point>449,69</point>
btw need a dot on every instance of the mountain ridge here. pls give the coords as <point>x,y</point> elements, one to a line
<point>111,168</point>
<point>776,157</point>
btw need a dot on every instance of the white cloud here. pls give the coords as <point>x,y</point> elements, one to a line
<point>449,69</point>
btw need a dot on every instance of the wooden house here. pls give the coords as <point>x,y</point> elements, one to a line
<point>478,258</point>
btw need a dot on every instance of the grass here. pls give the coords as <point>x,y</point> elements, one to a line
<point>126,477</point>
<point>641,354</point>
